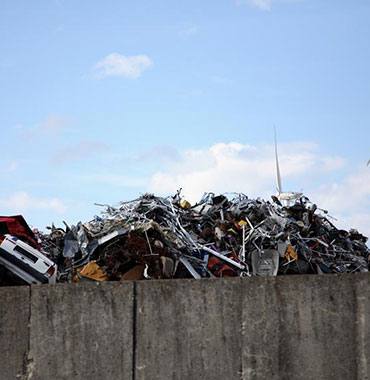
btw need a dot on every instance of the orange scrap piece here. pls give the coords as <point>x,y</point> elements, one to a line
<point>93,271</point>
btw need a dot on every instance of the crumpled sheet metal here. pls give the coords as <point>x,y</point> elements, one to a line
<point>154,238</point>
<point>93,271</point>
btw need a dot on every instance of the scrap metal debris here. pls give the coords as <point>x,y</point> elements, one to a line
<point>222,235</point>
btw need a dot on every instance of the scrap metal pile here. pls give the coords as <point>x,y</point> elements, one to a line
<point>159,238</point>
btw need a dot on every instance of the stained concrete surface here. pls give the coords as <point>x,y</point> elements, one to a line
<point>14,330</point>
<point>292,327</point>
<point>305,327</point>
<point>81,332</point>
<point>188,330</point>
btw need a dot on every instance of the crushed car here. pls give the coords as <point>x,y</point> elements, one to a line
<point>20,254</point>
<point>26,262</point>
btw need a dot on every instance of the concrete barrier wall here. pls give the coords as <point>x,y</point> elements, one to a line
<point>82,332</point>
<point>293,327</point>
<point>14,331</point>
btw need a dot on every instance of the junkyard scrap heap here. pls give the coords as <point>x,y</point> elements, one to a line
<point>162,238</point>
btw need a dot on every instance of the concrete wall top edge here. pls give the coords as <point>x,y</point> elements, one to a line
<point>291,279</point>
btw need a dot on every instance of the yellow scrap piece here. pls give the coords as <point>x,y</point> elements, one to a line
<point>93,271</point>
<point>242,223</point>
<point>291,254</point>
<point>185,204</point>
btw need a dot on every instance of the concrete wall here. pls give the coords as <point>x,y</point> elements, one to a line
<point>293,327</point>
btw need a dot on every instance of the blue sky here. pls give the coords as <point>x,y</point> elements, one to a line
<point>103,101</point>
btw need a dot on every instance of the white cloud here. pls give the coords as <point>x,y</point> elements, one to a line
<point>51,126</point>
<point>10,167</point>
<point>82,150</point>
<point>21,202</point>
<point>235,167</point>
<point>228,167</point>
<point>160,153</point>
<point>333,163</point>
<point>119,65</point>
<point>348,200</point>
<point>116,180</point>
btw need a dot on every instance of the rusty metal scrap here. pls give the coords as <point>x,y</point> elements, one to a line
<point>222,235</point>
